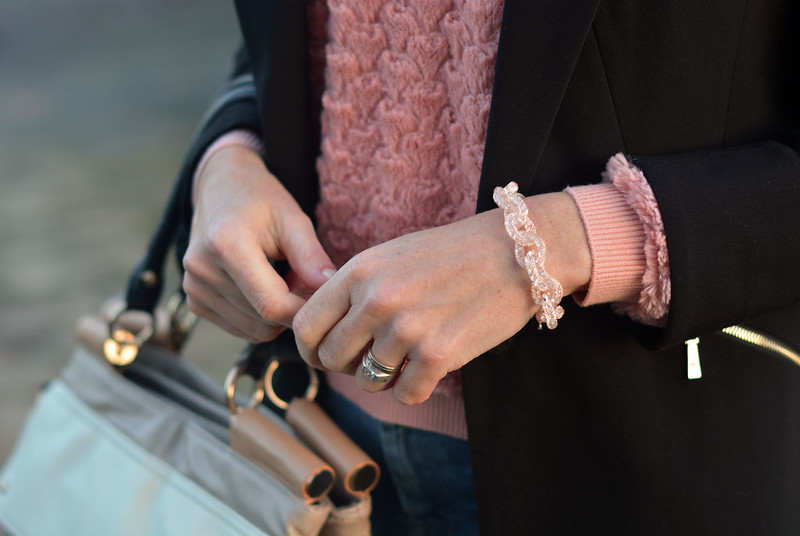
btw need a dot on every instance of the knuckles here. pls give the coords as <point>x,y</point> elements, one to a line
<point>435,353</point>
<point>327,359</point>
<point>302,221</point>
<point>193,260</point>
<point>377,290</point>
<point>269,309</point>
<point>383,302</point>
<point>361,267</point>
<point>204,251</point>
<point>365,274</point>
<point>300,326</point>
<point>409,397</point>
<point>404,332</point>
<point>221,240</point>
<point>306,345</point>
<point>194,306</point>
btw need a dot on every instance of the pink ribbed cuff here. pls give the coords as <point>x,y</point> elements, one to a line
<point>616,241</point>
<point>442,413</point>
<point>630,264</point>
<point>234,137</point>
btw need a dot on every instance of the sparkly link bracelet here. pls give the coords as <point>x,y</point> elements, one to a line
<point>545,289</point>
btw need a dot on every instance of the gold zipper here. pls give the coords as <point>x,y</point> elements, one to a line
<point>743,334</point>
<point>762,341</point>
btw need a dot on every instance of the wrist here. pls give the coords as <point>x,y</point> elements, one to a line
<point>233,145</point>
<point>553,271</point>
<point>559,224</point>
<point>225,164</point>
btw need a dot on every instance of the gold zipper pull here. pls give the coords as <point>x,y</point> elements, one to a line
<point>693,371</point>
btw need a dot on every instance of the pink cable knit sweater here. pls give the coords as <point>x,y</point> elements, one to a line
<point>406,103</point>
<point>405,109</point>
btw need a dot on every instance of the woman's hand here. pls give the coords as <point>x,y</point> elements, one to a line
<point>437,298</point>
<point>244,218</point>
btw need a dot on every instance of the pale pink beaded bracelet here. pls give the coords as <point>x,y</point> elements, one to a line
<point>545,289</point>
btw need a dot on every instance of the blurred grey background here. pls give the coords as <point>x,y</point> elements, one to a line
<point>98,101</point>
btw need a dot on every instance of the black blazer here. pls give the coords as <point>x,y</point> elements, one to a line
<point>593,427</point>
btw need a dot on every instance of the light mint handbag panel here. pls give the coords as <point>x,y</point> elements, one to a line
<point>100,455</point>
<point>69,458</point>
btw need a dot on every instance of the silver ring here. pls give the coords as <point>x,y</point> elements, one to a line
<point>375,371</point>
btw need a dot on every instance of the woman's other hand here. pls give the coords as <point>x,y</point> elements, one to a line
<point>243,218</point>
<point>438,298</point>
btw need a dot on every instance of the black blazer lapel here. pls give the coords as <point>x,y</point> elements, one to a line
<point>539,45</point>
<point>275,35</point>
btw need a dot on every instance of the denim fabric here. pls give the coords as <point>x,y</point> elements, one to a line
<point>426,478</point>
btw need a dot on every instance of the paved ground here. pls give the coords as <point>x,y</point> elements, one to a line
<point>98,99</point>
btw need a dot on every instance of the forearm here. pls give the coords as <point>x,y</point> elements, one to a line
<point>234,108</point>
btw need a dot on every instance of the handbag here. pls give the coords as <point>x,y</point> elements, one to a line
<point>131,438</point>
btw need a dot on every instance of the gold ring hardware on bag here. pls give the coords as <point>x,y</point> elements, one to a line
<point>356,473</point>
<point>181,319</point>
<point>122,346</point>
<point>265,443</point>
<point>230,388</point>
<point>269,378</point>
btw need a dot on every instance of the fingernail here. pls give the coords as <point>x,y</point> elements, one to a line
<point>328,272</point>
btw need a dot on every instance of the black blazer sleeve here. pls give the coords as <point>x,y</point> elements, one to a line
<point>711,120</point>
<point>732,221</point>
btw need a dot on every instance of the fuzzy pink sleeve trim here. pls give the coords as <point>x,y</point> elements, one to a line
<point>234,137</point>
<point>630,262</point>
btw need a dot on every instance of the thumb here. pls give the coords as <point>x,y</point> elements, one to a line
<point>298,286</point>
<point>306,256</point>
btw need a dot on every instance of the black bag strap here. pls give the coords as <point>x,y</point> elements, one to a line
<point>146,282</point>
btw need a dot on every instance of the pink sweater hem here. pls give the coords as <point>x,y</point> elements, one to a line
<point>441,413</point>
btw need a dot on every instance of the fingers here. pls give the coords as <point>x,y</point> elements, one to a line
<point>334,335</point>
<point>400,344</point>
<point>205,302</point>
<point>342,318</point>
<point>236,288</point>
<point>417,380</point>
<point>204,281</point>
<point>317,317</point>
<point>243,217</point>
<point>263,288</point>
<point>301,247</point>
<point>355,313</point>
<point>379,366</point>
<point>393,342</point>
<point>267,332</point>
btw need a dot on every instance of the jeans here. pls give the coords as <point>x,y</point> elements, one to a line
<point>426,478</point>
